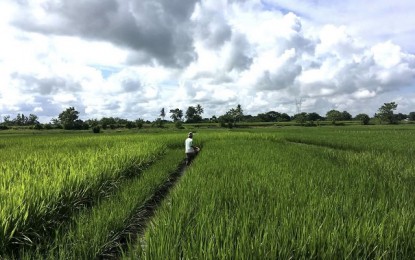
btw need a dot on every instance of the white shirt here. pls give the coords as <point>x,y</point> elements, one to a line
<point>188,144</point>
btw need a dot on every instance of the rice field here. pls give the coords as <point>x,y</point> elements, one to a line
<point>277,193</point>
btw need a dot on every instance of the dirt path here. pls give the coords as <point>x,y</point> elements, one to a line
<point>143,215</point>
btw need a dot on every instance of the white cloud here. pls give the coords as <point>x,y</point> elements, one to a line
<point>364,93</point>
<point>386,54</point>
<point>260,54</point>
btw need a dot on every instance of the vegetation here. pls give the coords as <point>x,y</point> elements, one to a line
<point>385,113</point>
<point>94,232</point>
<point>363,118</point>
<point>194,114</point>
<point>45,179</point>
<point>69,120</point>
<point>290,192</point>
<point>176,114</point>
<point>273,195</point>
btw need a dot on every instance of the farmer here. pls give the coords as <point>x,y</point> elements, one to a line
<point>190,149</point>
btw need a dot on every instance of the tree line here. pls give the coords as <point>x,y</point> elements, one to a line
<point>69,118</point>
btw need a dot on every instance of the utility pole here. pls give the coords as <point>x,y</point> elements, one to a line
<point>298,103</point>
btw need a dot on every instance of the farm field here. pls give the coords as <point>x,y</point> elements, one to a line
<point>288,192</point>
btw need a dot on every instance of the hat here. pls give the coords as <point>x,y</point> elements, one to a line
<point>190,134</point>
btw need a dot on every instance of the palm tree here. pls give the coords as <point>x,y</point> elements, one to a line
<point>199,109</point>
<point>239,112</point>
<point>162,113</point>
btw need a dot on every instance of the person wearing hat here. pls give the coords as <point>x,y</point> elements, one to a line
<point>190,149</point>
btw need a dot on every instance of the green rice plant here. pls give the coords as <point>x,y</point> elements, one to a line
<point>45,179</point>
<point>100,228</point>
<point>248,196</point>
<point>357,138</point>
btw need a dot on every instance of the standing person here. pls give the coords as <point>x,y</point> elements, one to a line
<point>190,149</point>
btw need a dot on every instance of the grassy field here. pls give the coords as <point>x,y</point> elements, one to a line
<point>278,192</point>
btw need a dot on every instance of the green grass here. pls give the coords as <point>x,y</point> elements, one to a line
<point>45,179</point>
<point>100,228</point>
<point>252,196</point>
<point>253,193</point>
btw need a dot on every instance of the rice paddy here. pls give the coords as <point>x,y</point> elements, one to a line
<point>277,193</point>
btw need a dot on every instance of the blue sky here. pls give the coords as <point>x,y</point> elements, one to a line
<point>129,59</point>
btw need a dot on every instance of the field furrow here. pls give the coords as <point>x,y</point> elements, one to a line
<point>260,199</point>
<point>46,187</point>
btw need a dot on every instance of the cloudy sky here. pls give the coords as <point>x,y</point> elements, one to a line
<point>130,58</point>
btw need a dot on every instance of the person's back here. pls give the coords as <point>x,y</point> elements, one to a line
<point>190,150</point>
<point>189,145</point>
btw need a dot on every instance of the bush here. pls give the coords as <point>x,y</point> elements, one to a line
<point>179,125</point>
<point>309,124</point>
<point>130,125</point>
<point>48,126</point>
<point>96,129</point>
<point>139,123</point>
<point>38,127</point>
<point>363,118</point>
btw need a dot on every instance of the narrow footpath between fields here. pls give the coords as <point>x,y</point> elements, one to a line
<point>139,222</point>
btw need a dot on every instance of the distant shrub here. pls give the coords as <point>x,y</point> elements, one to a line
<point>38,127</point>
<point>96,129</point>
<point>48,126</point>
<point>139,124</point>
<point>309,124</point>
<point>363,118</point>
<point>179,125</point>
<point>130,125</point>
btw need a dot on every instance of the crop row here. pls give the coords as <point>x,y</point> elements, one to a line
<point>250,197</point>
<point>94,232</point>
<point>357,138</point>
<point>46,179</point>
<point>249,194</point>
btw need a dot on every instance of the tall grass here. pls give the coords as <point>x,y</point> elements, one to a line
<point>249,197</point>
<point>93,232</point>
<point>327,192</point>
<point>44,179</point>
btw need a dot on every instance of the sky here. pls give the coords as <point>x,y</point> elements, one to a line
<point>131,58</point>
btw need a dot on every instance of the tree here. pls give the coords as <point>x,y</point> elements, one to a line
<point>313,116</point>
<point>37,126</point>
<point>162,113</point>
<point>363,118</point>
<point>284,117</point>
<point>199,109</point>
<point>301,118</point>
<point>107,121</point>
<point>68,117</point>
<point>385,113</point>
<point>157,123</point>
<point>346,116</point>
<point>92,122</point>
<point>6,120</point>
<point>55,123</point>
<point>176,114</point>
<point>33,119</point>
<point>231,117</point>
<point>401,116</point>
<point>411,116</point>
<point>130,124</point>
<point>20,119</point>
<point>192,115</point>
<point>334,115</point>
<point>139,123</point>
<point>226,120</point>
<point>238,113</point>
<point>270,116</point>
